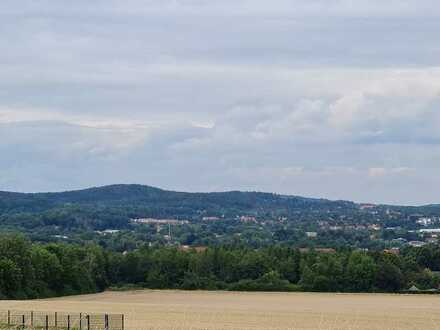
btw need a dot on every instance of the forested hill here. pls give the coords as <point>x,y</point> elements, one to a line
<point>272,216</point>
<point>112,207</point>
<point>140,196</point>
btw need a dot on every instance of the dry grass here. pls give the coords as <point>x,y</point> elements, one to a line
<point>175,310</point>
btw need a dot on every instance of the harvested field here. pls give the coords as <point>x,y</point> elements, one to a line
<point>230,310</point>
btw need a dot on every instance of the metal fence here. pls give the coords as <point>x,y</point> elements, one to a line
<point>63,321</point>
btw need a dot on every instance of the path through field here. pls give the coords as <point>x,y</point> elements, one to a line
<point>177,310</point>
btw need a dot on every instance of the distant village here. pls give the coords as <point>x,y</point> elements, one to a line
<point>415,230</point>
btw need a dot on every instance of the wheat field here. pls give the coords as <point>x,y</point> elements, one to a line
<point>179,310</point>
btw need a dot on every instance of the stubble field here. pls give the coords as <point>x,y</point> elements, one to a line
<point>230,310</point>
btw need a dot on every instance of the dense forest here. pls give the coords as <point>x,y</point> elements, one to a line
<point>31,270</point>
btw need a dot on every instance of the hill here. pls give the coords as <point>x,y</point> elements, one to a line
<point>267,217</point>
<point>151,201</point>
<point>144,195</point>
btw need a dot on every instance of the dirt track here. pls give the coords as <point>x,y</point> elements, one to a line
<point>229,310</point>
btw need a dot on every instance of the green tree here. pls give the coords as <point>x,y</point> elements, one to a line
<point>361,272</point>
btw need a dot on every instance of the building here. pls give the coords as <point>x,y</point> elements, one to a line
<point>107,231</point>
<point>416,243</point>
<point>247,218</point>
<point>395,251</point>
<point>399,240</point>
<point>367,206</point>
<point>311,234</point>
<point>210,218</point>
<point>415,217</point>
<point>430,231</point>
<point>424,221</point>
<point>159,221</point>
<point>60,236</point>
<point>187,248</point>
<point>375,227</point>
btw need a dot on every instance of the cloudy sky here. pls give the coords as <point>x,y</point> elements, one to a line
<point>325,98</point>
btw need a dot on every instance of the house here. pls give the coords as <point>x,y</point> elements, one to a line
<point>375,227</point>
<point>416,243</point>
<point>429,231</point>
<point>394,250</point>
<point>424,221</point>
<point>247,218</point>
<point>367,206</point>
<point>60,236</point>
<point>210,218</point>
<point>187,248</point>
<point>399,240</point>
<point>311,234</point>
<point>107,231</point>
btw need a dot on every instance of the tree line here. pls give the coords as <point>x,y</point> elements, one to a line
<point>32,270</point>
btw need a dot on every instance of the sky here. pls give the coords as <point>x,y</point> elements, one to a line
<point>337,99</point>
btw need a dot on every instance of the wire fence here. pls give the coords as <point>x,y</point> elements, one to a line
<point>63,321</point>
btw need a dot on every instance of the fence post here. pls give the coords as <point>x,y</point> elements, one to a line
<point>23,321</point>
<point>88,322</point>
<point>123,320</point>
<point>32,318</point>
<point>68,321</point>
<point>56,320</point>
<point>106,321</point>
<point>9,317</point>
<point>47,322</point>
<point>80,321</point>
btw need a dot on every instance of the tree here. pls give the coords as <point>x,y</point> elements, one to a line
<point>389,277</point>
<point>10,278</point>
<point>361,272</point>
<point>48,271</point>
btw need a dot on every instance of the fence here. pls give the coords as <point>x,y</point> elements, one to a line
<point>62,321</point>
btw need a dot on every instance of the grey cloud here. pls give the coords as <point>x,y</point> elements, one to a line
<point>335,98</point>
